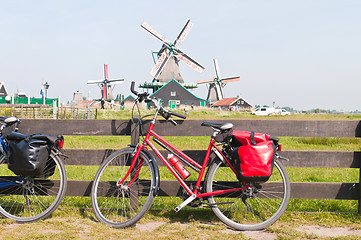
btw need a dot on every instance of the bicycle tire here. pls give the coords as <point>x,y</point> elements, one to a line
<point>266,205</point>
<point>120,206</point>
<point>29,199</point>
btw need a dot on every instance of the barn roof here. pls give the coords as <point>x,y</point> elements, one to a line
<point>84,103</point>
<point>129,98</point>
<point>171,81</point>
<point>225,102</point>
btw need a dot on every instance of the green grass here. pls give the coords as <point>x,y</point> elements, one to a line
<point>289,143</point>
<point>210,113</point>
<point>201,142</point>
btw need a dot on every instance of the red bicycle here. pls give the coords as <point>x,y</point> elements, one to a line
<point>128,180</point>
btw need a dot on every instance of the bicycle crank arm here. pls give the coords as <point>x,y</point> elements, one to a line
<point>185,203</point>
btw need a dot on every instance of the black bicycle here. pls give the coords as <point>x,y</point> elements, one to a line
<point>30,191</point>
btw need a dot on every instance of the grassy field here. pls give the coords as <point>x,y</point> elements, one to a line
<point>207,113</point>
<point>288,143</point>
<point>327,213</point>
<point>75,220</point>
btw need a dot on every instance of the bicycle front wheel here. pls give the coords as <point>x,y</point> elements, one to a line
<point>120,202</point>
<point>28,199</point>
<point>254,208</point>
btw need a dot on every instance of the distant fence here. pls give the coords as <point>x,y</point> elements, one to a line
<point>42,111</point>
<point>30,100</point>
<point>292,128</point>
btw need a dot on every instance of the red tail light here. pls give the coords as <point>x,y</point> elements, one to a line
<point>60,144</point>
<point>279,147</point>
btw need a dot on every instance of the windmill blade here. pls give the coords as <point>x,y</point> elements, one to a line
<point>154,33</point>
<point>95,82</point>
<point>188,60</point>
<point>231,79</point>
<point>106,71</point>
<point>162,61</point>
<point>205,81</point>
<point>116,81</point>
<point>219,91</point>
<point>216,68</point>
<point>183,33</point>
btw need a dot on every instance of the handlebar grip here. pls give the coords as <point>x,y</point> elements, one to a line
<point>132,88</point>
<point>178,115</point>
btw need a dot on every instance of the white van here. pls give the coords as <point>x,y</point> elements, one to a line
<point>264,111</point>
<point>267,111</point>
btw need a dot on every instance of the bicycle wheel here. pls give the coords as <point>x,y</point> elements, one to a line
<point>118,205</point>
<point>28,199</point>
<point>254,208</point>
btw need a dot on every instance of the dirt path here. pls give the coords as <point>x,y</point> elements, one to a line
<point>314,230</point>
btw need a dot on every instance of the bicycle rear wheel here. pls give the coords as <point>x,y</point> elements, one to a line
<point>28,199</point>
<point>254,208</point>
<point>120,205</point>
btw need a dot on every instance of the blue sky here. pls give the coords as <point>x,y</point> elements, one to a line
<point>302,54</point>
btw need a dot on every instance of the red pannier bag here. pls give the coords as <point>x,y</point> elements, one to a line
<point>253,155</point>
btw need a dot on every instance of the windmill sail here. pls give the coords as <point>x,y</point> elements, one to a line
<point>154,33</point>
<point>216,85</point>
<point>183,33</point>
<point>162,61</point>
<point>106,84</point>
<point>167,68</point>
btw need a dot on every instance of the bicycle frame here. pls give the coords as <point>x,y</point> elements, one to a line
<point>193,193</point>
<point>3,156</point>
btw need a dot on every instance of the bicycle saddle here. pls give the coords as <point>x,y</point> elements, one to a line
<point>9,120</point>
<point>220,126</point>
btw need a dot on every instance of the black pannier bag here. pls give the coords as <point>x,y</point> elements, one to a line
<point>253,155</point>
<point>29,155</point>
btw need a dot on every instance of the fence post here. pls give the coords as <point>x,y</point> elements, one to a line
<point>134,130</point>
<point>88,111</point>
<point>134,136</point>
<point>359,195</point>
<point>55,110</point>
<point>73,110</point>
<point>22,111</point>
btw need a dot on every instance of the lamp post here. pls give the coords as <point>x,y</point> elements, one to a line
<point>46,87</point>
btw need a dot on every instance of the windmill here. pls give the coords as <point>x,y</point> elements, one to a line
<point>216,85</point>
<point>166,67</point>
<point>106,84</point>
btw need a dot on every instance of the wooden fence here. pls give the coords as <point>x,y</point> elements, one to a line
<point>42,111</point>
<point>292,128</point>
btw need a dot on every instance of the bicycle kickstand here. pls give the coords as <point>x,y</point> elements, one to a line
<point>185,203</point>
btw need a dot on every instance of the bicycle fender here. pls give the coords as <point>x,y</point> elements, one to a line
<point>155,170</point>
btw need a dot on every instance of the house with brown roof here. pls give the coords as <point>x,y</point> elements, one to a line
<point>234,104</point>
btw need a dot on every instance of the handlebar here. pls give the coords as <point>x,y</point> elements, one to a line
<point>141,96</point>
<point>144,96</point>
<point>132,88</point>
<point>178,115</point>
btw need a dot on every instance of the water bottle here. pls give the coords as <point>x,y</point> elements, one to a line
<point>178,166</point>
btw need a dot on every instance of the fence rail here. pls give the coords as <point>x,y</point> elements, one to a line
<point>295,128</point>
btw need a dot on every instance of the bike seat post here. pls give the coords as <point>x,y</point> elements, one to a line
<point>215,132</point>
